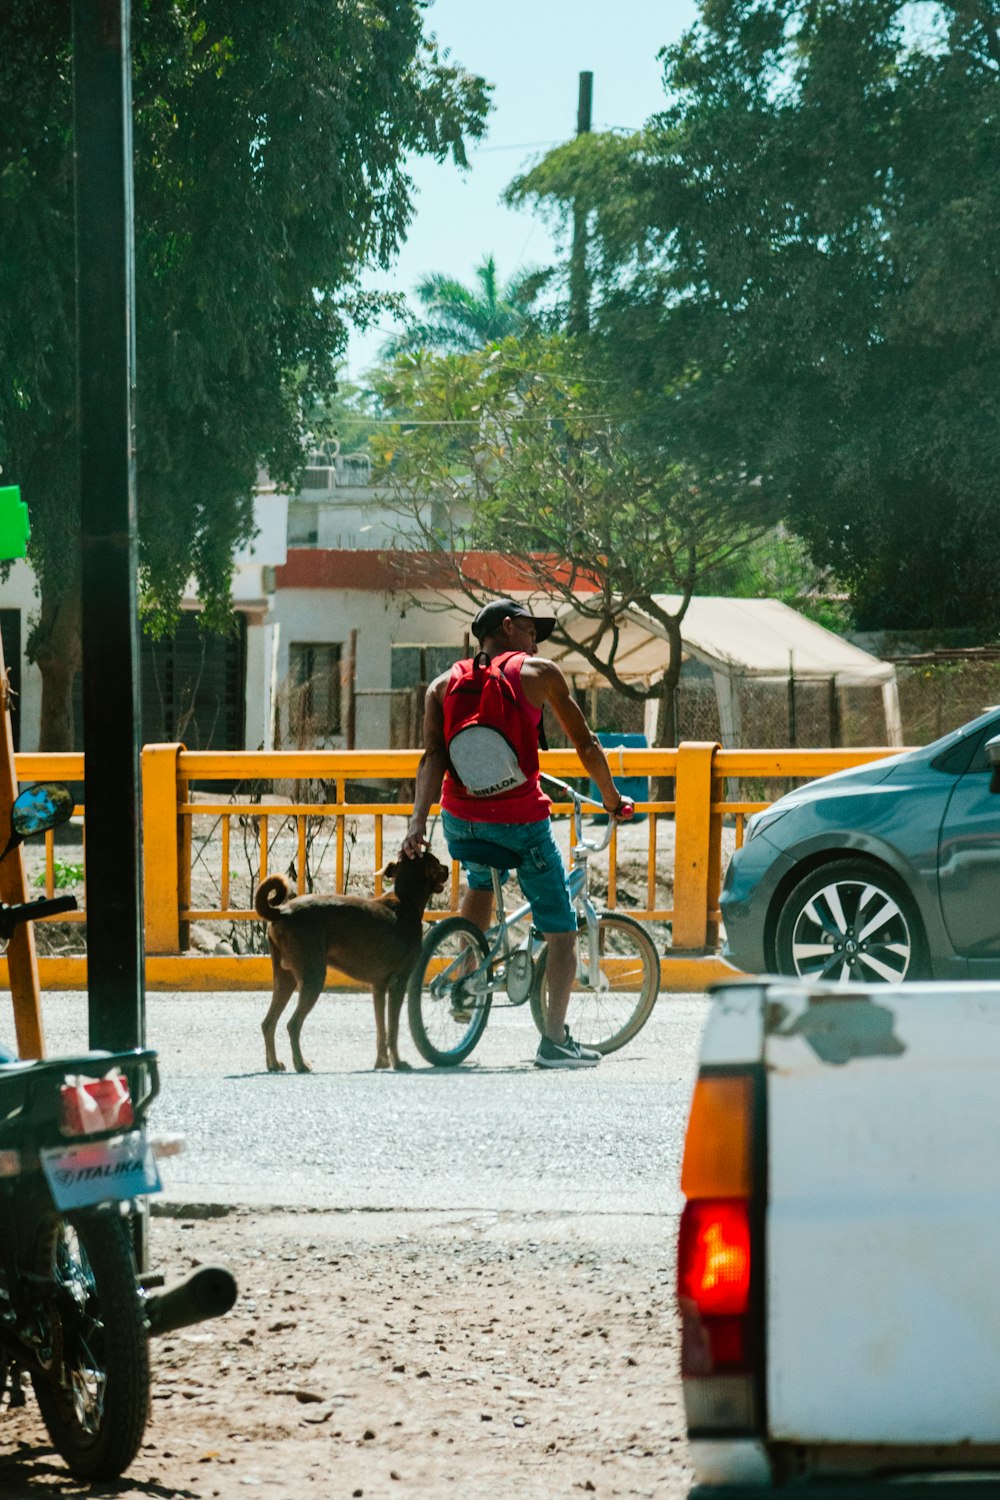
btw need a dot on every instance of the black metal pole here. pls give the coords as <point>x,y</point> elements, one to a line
<point>836,730</point>
<point>579,287</point>
<point>102,100</point>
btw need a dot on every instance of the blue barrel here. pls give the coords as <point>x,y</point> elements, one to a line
<point>636,787</point>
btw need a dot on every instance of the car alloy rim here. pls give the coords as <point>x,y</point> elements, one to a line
<point>851,930</point>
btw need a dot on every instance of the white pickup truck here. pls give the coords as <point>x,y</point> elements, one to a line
<point>839,1250</point>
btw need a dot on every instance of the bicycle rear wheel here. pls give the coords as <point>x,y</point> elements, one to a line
<point>445,1020</point>
<point>607,1014</point>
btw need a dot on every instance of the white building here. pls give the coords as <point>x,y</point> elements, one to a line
<point>203,690</point>
<point>341,618</point>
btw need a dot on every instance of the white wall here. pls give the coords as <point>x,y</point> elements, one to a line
<point>251,585</point>
<point>19,593</point>
<point>327,616</point>
<point>268,550</point>
<point>349,518</point>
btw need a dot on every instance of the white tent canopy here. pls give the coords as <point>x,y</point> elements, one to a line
<point>735,638</point>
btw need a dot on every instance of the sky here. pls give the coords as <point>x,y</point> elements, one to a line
<point>533,52</point>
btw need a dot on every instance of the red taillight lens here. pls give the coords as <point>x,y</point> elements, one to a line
<point>713,1286</point>
<point>713,1269</point>
<point>93,1104</point>
<point>718,1265</point>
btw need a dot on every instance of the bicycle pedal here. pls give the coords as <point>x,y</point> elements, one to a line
<point>461,1015</point>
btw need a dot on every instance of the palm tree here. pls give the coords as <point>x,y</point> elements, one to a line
<point>459,319</point>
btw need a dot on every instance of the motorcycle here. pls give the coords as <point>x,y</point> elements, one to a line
<point>76,1163</point>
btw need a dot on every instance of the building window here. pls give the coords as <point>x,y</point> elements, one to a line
<point>314,697</point>
<point>193,687</point>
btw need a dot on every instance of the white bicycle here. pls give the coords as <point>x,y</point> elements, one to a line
<point>461,970</point>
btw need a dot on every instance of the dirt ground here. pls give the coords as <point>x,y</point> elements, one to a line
<point>386,1354</point>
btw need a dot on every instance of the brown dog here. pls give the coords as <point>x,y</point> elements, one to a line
<point>374,940</point>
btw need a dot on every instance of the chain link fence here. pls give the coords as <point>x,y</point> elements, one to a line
<point>934,699</point>
<point>937,697</point>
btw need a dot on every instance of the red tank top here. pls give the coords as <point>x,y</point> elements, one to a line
<point>526,803</point>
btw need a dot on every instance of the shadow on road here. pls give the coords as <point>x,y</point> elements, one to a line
<point>37,1471</point>
<point>463,1071</point>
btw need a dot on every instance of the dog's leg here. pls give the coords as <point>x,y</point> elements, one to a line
<point>282,990</point>
<point>381,1046</point>
<point>310,989</point>
<point>397,989</point>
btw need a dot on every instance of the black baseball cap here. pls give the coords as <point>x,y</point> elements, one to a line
<point>491,617</point>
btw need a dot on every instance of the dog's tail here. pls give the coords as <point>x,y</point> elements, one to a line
<point>271,895</point>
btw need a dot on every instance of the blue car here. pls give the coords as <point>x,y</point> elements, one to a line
<point>885,872</point>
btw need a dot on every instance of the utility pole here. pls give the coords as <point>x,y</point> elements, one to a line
<point>106,328</point>
<point>579,287</point>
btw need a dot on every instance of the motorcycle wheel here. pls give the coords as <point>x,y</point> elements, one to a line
<point>94,1393</point>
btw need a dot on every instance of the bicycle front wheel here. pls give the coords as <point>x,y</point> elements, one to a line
<point>608,1009</point>
<point>445,1019</point>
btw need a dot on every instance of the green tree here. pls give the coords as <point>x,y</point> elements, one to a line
<point>270,146</point>
<point>778,565</point>
<point>798,260</point>
<point>459,319</point>
<point>518,449</point>
<point>345,420</point>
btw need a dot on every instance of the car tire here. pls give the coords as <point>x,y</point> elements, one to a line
<point>851,922</point>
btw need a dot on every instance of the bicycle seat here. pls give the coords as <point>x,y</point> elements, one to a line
<point>484,852</point>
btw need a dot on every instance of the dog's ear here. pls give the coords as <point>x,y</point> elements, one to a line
<point>389,873</point>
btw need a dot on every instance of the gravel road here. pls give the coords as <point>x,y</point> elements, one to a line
<point>450,1283</point>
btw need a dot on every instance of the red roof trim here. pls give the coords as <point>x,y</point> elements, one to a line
<point>389,572</point>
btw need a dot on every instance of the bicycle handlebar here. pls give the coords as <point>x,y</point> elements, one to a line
<point>574,796</point>
<point>579,798</point>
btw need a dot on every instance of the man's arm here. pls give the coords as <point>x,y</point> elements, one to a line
<point>548,685</point>
<point>430,772</point>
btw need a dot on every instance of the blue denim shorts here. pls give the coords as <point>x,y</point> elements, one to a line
<point>541,872</point>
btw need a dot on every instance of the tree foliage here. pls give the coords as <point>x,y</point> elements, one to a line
<point>459,319</point>
<point>344,421</point>
<point>270,146</point>
<point>798,259</point>
<point>520,450</point>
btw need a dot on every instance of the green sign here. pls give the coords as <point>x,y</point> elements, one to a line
<point>14,528</point>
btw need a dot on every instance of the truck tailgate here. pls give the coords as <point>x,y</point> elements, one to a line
<point>883,1218</point>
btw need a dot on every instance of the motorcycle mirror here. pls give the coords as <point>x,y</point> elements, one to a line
<point>45,805</point>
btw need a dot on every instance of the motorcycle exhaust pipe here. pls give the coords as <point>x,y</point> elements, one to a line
<point>208,1292</point>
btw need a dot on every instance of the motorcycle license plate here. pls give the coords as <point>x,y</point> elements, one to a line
<point>120,1168</point>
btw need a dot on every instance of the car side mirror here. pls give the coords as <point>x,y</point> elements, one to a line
<point>993,756</point>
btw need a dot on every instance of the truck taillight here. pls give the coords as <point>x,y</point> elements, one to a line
<point>718,1273</point>
<point>714,1255</point>
<point>93,1104</point>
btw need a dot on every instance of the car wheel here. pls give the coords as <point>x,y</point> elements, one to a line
<point>850,922</point>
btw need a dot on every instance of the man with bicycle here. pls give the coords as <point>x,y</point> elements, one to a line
<point>516,817</point>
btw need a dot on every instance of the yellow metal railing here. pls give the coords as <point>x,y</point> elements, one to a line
<point>198,806</point>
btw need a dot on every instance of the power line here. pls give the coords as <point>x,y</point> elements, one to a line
<point>558,141</point>
<point>500,421</point>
